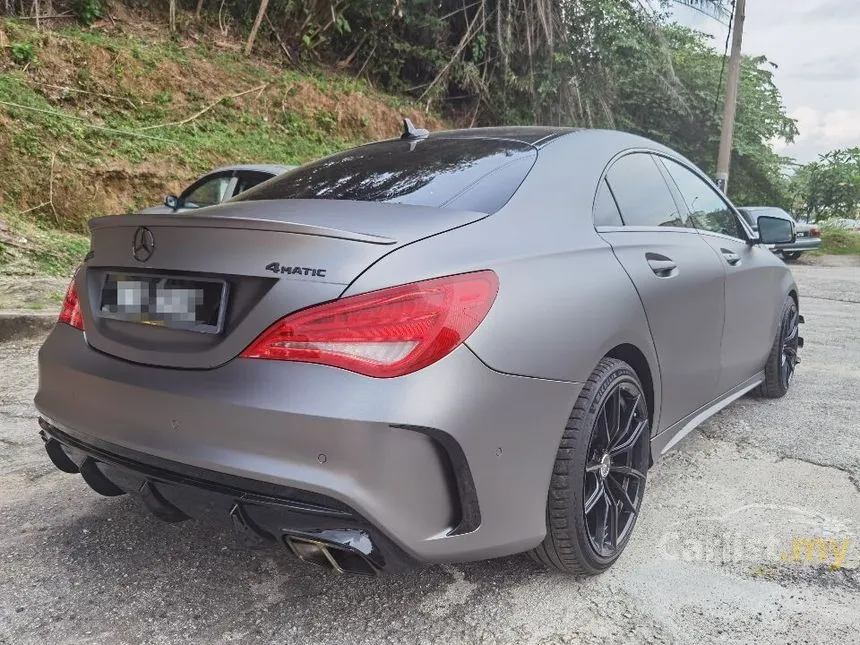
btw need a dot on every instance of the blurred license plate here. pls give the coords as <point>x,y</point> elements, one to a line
<point>180,303</point>
<point>801,234</point>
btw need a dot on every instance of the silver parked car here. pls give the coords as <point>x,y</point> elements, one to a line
<point>443,347</point>
<point>217,186</point>
<point>807,236</point>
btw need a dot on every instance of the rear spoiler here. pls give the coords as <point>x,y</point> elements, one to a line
<point>244,223</point>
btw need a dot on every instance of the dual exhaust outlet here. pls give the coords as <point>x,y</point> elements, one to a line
<point>332,555</point>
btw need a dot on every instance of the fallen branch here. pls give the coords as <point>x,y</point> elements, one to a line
<point>196,115</point>
<point>130,133</point>
<point>278,38</point>
<point>35,208</point>
<point>367,60</point>
<point>75,89</point>
<point>465,40</point>
<point>43,16</point>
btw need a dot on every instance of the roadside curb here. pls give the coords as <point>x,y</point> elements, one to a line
<point>25,324</point>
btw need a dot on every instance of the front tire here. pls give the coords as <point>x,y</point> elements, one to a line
<point>791,255</point>
<point>598,480</point>
<point>783,358</point>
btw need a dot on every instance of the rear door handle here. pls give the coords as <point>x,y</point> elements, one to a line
<point>731,257</point>
<point>663,268</point>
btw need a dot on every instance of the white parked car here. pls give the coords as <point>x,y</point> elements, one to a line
<point>218,186</point>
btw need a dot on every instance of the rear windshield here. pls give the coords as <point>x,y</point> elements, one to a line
<point>459,173</point>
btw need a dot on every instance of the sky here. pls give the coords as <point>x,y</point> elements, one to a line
<point>816,45</point>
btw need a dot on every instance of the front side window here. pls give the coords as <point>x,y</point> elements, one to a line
<point>642,194</point>
<point>209,193</point>
<point>708,210</point>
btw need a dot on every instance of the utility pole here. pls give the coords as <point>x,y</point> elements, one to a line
<point>725,156</point>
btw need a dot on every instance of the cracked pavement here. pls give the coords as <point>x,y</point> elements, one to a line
<point>712,558</point>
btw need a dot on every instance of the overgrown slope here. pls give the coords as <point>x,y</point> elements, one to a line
<point>101,121</point>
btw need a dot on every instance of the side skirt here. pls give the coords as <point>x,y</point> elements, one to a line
<point>666,440</point>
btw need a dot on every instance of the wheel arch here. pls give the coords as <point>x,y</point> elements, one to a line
<point>793,293</point>
<point>634,357</point>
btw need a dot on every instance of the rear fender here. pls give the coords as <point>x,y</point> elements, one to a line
<point>556,314</point>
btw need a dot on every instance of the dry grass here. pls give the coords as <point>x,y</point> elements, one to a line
<point>131,79</point>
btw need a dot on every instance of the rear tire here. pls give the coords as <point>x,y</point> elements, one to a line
<point>783,357</point>
<point>791,255</point>
<point>598,480</point>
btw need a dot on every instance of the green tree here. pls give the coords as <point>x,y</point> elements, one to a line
<point>683,112</point>
<point>829,187</point>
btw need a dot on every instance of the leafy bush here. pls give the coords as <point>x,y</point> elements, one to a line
<point>23,53</point>
<point>88,11</point>
<point>840,241</point>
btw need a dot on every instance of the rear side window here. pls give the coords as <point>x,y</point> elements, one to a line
<point>459,173</point>
<point>642,194</point>
<point>606,211</point>
<point>250,178</point>
<point>708,210</point>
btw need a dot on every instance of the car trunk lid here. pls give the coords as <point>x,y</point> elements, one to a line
<point>250,262</point>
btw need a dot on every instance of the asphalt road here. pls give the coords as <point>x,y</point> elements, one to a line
<point>711,560</point>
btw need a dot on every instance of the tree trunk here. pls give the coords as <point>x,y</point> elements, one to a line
<point>253,35</point>
<point>172,15</point>
<point>198,9</point>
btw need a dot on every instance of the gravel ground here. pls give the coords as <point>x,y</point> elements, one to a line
<point>711,560</point>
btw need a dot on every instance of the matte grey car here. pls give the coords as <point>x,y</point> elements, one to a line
<point>217,186</point>
<point>429,349</point>
<point>807,236</point>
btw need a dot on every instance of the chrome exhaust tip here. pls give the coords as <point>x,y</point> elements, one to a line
<point>330,555</point>
<point>311,551</point>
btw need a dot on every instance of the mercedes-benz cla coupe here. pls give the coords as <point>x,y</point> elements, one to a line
<point>440,347</point>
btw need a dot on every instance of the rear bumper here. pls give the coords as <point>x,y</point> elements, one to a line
<point>260,514</point>
<point>451,463</point>
<point>801,244</point>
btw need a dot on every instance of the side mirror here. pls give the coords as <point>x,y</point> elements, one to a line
<point>171,201</point>
<point>774,230</point>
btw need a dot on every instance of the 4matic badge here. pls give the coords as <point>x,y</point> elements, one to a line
<point>277,267</point>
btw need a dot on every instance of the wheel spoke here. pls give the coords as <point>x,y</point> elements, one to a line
<point>631,441</point>
<point>630,419</point>
<point>595,497</point>
<point>593,467</point>
<point>792,334</point>
<point>606,424</point>
<point>622,495</point>
<point>604,528</point>
<point>616,416</point>
<point>627,471</point>
<point>612,517</point>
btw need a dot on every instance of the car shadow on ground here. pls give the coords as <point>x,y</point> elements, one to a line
<point>117,539</point>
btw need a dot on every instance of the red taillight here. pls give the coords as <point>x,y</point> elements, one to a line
<point>815,232</point>
<point>383,333</point>
<point>71,311</point>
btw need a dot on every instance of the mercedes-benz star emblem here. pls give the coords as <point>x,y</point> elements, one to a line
<point>143,245</point>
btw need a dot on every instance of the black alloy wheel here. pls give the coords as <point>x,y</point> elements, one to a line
<point>615,472</point>
<point>789,357</point>
<point>784,354</point>
<point>598,479</point>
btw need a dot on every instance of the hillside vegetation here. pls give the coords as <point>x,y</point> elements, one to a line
<point>104,120</point>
